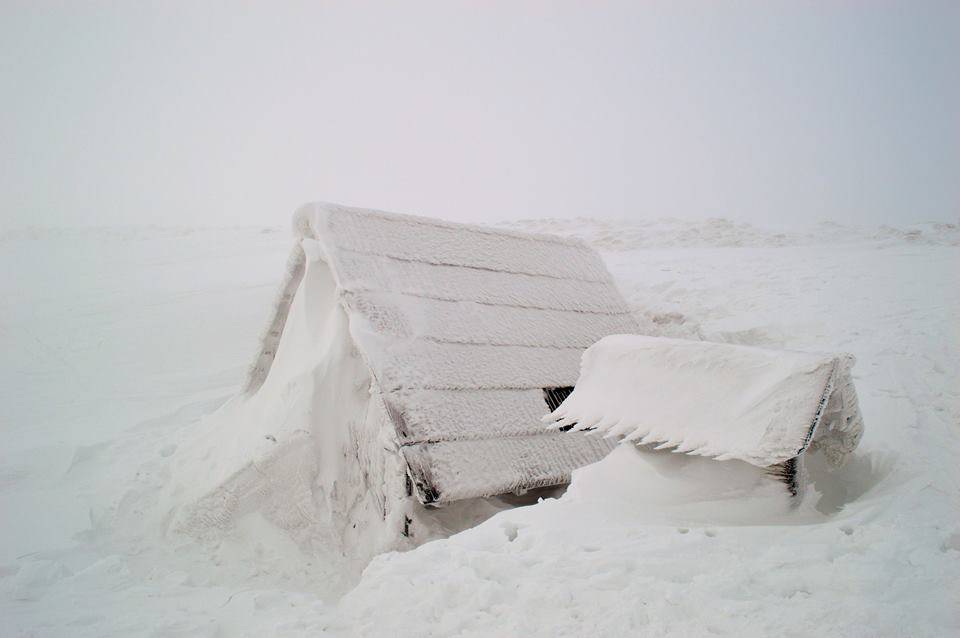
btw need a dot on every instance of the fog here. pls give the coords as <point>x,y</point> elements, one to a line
<point>186,113</point>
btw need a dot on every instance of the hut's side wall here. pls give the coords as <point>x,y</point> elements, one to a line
<point>367,497</point>
<point>270,340</point>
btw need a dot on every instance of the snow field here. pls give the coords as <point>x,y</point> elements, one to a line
<point>116,341</point>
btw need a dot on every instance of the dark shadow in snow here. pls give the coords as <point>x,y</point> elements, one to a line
<point>531,497</point>
<point>862,474</point>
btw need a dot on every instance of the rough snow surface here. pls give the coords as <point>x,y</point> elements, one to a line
<point>115,342</point>
<point>666,545</point>
<point>719,400</point>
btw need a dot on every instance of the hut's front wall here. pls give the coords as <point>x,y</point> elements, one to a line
<point>367,493</point>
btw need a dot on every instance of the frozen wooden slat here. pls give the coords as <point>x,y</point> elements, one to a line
<point>454,470</point>
<point>429,241</point>
<point>361,272</point>
<point>454,415</point>
<point>419,364</point>
<point>472,323</point>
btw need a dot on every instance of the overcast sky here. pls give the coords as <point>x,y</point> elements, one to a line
<point>212,113</point>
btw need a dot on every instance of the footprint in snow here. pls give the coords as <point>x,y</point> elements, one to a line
<point>511,530</point>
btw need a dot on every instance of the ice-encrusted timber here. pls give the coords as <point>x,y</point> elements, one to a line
<point>764,407</point>
<point>460,328</point>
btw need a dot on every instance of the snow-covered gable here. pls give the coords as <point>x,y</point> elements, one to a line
<point>462,328</point>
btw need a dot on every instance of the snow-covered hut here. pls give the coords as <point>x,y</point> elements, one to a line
<point>408,364</point>
<point>766,408</point>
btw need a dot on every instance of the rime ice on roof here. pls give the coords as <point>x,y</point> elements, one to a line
<point>462,327</point>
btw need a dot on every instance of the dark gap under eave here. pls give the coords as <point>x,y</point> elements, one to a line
<point>554,397</point>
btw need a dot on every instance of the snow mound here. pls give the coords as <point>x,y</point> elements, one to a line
<point>657,544</point>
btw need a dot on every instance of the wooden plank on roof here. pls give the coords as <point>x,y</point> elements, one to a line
<point>412,239</point>
<point>472,323</point>
<point>452,366</point>
<point>456,415</point>
<point>362,272</point>
<point>454,470</point>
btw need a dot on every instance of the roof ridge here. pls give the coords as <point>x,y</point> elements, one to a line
<point>331,207</point>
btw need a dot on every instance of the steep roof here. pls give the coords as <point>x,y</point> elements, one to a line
<point>462,328</point>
